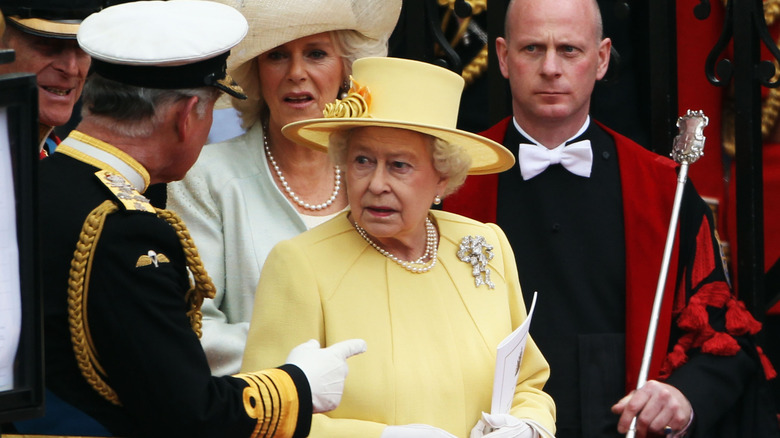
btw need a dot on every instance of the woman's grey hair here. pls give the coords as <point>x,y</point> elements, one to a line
<point>350,45</point>
<point>136,111</point>
<point>450,160</point>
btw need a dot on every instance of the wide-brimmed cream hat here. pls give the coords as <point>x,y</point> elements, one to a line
<point>406,94</point>
<point>273,23</point>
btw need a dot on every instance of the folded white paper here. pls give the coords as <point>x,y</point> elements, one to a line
<point>509,357</point>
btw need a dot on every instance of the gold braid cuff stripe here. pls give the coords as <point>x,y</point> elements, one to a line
<point>78,292</point>
<point>272,400</point>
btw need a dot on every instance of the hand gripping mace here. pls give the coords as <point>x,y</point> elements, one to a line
<point>688,147</point>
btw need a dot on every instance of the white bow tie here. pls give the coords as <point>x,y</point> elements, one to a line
<point>577,158</point>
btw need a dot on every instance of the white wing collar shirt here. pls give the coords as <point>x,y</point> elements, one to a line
<point>576,157</point>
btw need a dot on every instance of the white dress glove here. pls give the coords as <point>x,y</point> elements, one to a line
<point>415,431</point>
<point>326,369</point>
<point>502,426</point>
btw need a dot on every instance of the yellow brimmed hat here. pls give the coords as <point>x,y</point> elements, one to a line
<point>51,18</point>
<point>405,94</point>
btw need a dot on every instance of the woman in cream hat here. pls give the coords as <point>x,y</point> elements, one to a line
<point>246,194</point>
<point>432,293</point>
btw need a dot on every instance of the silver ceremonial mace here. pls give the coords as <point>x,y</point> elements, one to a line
<point>688,147</point>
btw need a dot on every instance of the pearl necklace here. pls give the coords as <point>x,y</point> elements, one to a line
<point>431,248</point>
<point>288,190</point>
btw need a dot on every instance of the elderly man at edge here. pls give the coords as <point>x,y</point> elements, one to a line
<point>42,34</point>
<point>589,236</point>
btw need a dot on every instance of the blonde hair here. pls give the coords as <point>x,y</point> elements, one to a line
<point>350,45</point>
<point>450,160</point>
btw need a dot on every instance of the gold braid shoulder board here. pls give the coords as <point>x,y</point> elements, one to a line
<point>79,275</point>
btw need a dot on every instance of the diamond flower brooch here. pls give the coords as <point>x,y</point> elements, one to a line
<point>476,250</point>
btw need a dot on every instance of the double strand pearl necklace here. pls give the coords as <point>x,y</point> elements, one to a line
<point>431,248</point>
<point>288,190</point>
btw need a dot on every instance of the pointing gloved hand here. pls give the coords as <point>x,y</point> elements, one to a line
<point>415,431</point>
<point>326,369</point>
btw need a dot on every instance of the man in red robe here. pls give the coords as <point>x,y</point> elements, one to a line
<point>587,214</point>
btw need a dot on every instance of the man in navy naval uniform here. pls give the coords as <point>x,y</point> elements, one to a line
<point>587,212</point>
<point>121,315</point>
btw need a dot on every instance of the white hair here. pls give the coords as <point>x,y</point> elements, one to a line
<point>136,111</point>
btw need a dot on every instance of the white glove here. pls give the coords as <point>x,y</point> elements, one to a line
<point>415,431</point>
<point>326,369</point>
<point>502,426</point>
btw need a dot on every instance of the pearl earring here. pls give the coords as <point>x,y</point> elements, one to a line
<point>437,200</point>
<point>344,91</point>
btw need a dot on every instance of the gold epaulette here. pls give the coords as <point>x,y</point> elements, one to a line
<point>80,273</point>
<point>124,191</point>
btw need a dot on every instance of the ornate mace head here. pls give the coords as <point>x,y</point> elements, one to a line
<point>689,143</point>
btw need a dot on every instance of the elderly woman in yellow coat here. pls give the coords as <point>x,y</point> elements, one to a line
<point>432,293</point>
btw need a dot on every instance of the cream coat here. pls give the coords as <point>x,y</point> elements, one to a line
<point>236,214</point>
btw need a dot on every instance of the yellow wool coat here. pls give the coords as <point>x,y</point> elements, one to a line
<point>431,337</point>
